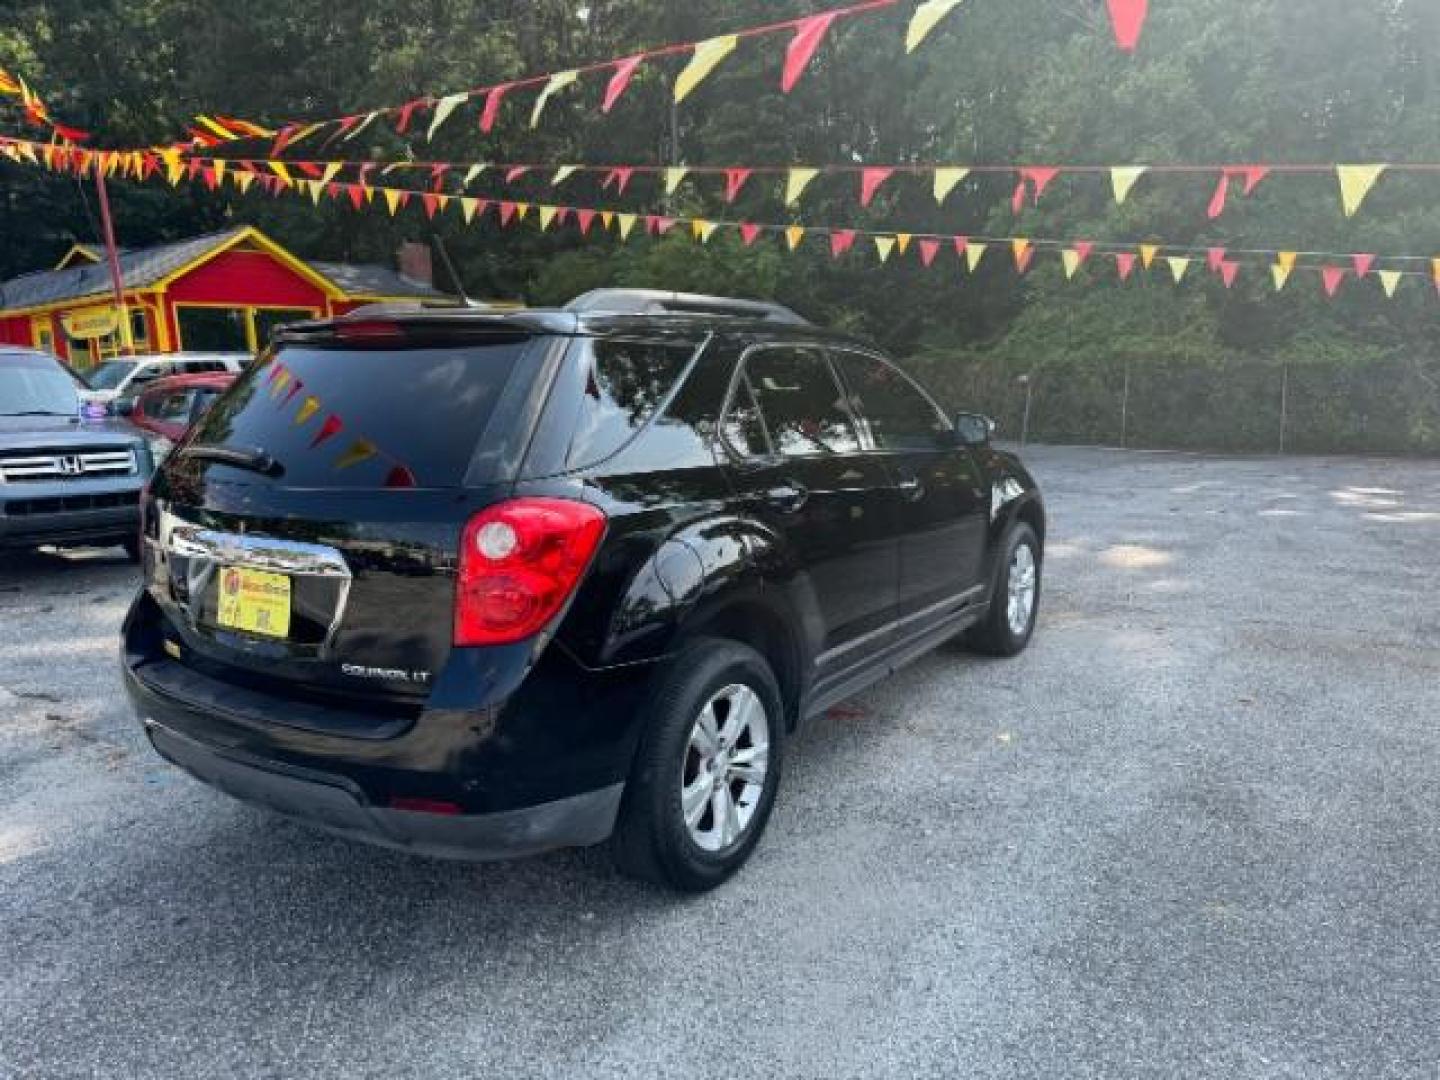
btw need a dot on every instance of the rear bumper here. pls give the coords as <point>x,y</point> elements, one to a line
<point>332,803</point>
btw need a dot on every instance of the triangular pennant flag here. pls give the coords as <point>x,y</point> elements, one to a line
<point>488,115</point>
<point>585,218</point>
<point>749,232</point>
<point>328,430</point>
<point>809,32</point>
<point>884,245</point>
<point>1253,174</point>
<point>521,210</point>
<point>974,253</point>
<point>332,169</point>
<point>1332,277</point>
<point>1071,259</point>
<point>547,216</point>
<point>926,16</point>
<point>507,212</point>
<point>1147,254</point>
<point>443,108</point>
<point>1128,19</point>
<point>1435,267</point>
<point>946,180</point>
<point>962,243</point>
<point>243,180</point>
<point>557,82</point>
<point>1022,249</point>
<point>620,178</point>
<point>308,408</point>
<point>928,250</point>
<point>515,172</point>
<point>357,195</point>
<point>703,229</point>
<point>1287,259</point>
<point>1217,201</point>
<point>400,477</point>
<point>1213,258</point>
<point>624,72</point>
<point>673,179</point>
<point>870,181</point>
<point>1039,178</point>
<point>563,173</point>
<point>280,171</point>
<point>1355,183</point>
<point>796,183</point>
<point>431,202</point>
<point>841,241</point>
<point>1281,275</point>
<point>1228,270</point>
<point>1178,266</point>
<point>392,199</point>
<point>793,235</point>
<point>471,174</point>
<point>1125,264</point>
<point>1122,180</point>
<point>368,119</point>
<point>468,207</point>
<point>1390,280</point>
<point>607,219</point>
<point>360,450</point>
<point>1363,263</point>
<point>627,224</point>
<point>706,58</point>
<point>734,181</point>
<point>1083,248</point>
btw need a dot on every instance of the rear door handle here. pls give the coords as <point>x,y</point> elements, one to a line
<point>787,498</point>
<point>911,488</point>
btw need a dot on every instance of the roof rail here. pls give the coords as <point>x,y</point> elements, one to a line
<point>660,302</point>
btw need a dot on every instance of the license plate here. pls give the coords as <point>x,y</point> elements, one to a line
<point>254,601</point>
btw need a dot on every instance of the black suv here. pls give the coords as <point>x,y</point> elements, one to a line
<point>480,584</point>
<point>63,480</point>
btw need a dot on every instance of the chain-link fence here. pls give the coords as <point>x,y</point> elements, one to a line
<point>1231,403</point>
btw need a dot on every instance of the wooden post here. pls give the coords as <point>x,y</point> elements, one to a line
<point>127,341</point>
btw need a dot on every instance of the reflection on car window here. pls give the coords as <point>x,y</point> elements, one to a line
<point>900,417</point>
<point>111,374</point>
<point>799,403</point>
<point>744,427</point>
<point>629,380</point>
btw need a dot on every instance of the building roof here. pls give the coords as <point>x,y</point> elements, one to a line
<point>147,266</point>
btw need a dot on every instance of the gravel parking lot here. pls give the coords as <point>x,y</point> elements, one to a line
<point>1195,831</point>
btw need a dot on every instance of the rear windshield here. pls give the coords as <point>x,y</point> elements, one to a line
<point>367,418</point>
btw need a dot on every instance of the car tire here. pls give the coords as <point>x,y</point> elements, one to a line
<point>655,838</point>
<point>1003,632</point>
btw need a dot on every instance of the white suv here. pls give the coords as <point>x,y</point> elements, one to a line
<point>124,377</point>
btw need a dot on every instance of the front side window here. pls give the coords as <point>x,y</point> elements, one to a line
<point>899,415</point>
<point>787,402</point>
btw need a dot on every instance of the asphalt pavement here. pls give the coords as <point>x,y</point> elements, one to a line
<point>1193,832</point>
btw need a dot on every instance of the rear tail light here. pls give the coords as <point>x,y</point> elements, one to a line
<point>520,562</point>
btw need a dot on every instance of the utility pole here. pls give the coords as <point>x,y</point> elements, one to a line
<point>127,341</point>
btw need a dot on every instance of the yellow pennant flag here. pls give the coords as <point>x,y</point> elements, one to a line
<point>1122,179</point>
<point>1390,279</point>
<point>392,199</point>
<point>282,172</point>
<point>708,55</point>
<point>316,190</point>
<point>884,245</point>
<point>1355,183</point>
<point>474,171</point>
<point>308,408</point>
<point>360,450</point>
<point>627,224</point>
<point>793,235</point>
<point>1435,266</point>
<point>304,133</point>
<point>557,83</point>
<point>282,380</point>
<point>174,167</point>
<point>796,183</point>
<point>927,15</point>
<point>443,108</point>
<point>369,119</point>
<point>468,206</point>
<point>521,210</point>
<point>673,178</point>
<point>547,216</point>
<point>946,180</point>
<point>1178,268</point>
<point>902,241</point>
<point>217,164</point>
<point>1071,258</point>
<point>973,254</point>
<point>332,169</point>
<point>243,180</point>
<point>442,202</point>
<point>607,218</point>
<point>561,174</point>
<point>703,229</point>
<point>1147,254</point>
<point>1284,265</point>
<point>1021,247</point>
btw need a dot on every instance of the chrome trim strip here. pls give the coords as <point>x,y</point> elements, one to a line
<point>960,598</point>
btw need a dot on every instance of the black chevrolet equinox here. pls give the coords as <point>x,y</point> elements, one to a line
<point>483,584</point>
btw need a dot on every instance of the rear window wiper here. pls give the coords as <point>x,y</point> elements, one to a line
<point>253,460</point>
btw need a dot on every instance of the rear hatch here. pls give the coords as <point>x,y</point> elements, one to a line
<point>306,531</point>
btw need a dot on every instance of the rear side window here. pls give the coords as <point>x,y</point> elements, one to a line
<point>367,418</point>
<point>787,402</point>
<point>628,382</point>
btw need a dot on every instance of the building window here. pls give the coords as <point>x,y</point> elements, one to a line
<point>212,329</point>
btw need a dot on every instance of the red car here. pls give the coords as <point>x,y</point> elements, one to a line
<point>167,407</point>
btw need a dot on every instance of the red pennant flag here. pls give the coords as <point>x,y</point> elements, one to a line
<point>365,171</point>
<point>808,35</point>
<point>1217,201</point>
<point>407,114</point>
<point>1017,201</point>
<point>333,190</point>
<point>491,112</point>
<point>662,224</point>
<point>282,139</point>
<point>1228,270</point>
<point>585,218</point>
<point>620,178</point>
<point>1128,19</point>
<point>563,215</point>
<point>1214,257</point>
<point>841,241</point>
<point>870,181</point>
<point>1083,248</point>
<point>192,168</point>
<point>1125,263</point>
<point>507,212</point>
<point>310,169</point>
<point>400,477</point>
<point>212,179</point>
<point>1363,263</point>
<point>516,173</point>
<point>332,427</point>
<point>346,123</point>
<point>1037,179</point>
<point>69,134</point>
<point>928,250</point>
<point>1253,174</point>
<point>432,203</point>
<point>1332,276</point>
<point>437,176</point>
<point>275,373</point>
<point>620,81</point>
<point>749,232</point>
<point>962,245</point>
<point>734,181</point>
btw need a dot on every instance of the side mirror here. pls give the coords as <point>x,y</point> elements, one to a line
<point>972,429</point>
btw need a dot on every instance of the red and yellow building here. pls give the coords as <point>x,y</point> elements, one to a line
<point>223,292</point>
